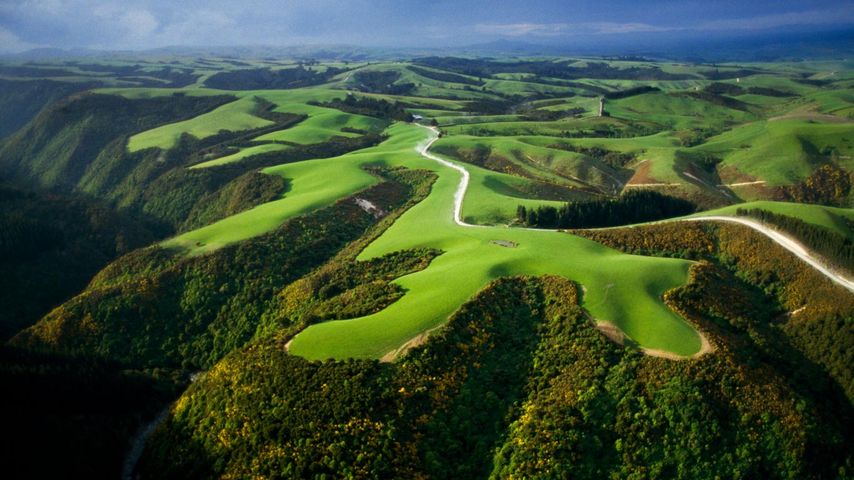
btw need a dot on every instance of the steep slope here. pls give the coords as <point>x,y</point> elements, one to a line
<point>51,246</point>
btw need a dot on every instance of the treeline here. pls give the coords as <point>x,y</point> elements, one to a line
<point>634,206</point>
<point>631,92</point>
<point>166,77</point>
<point>835,248</point>
<point>730,89</point>
<point>372,107</point>
<point>717,99</point>
<point>269,79</point>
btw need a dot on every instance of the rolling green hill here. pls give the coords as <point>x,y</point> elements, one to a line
<point>342,257</point>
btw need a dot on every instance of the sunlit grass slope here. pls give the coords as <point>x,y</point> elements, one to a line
<point>623,289</point>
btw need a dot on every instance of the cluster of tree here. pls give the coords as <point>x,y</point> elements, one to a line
<point>835,248</point>
<point>718,74</point>
<point>381,82</point>
<point>609,157</point>
<point>494,106</point>
<point>718,88</point>
<point>634,206</point>
<point>631,92</point>
<point>541,115</point>
<point>51,246</point>
<point>242,193</point>
<point>695,136</point>
<point>445,76</point>
<point>156,308</point>
<point>705,160</point>
<point>827,185</point>
<point>345,288</point>
<point>769,92</point>
<point>615,129</point>
<point>372,107</point>
<point>269,79</point>
<point>485,68</point>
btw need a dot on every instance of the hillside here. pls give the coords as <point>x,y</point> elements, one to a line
<point>439,267</point>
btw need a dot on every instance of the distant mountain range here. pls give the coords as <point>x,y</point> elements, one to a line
<point>767,46</point>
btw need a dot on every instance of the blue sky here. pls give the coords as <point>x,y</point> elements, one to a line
<point>141,24</point>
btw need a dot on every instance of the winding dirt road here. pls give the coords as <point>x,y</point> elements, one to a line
<point>786,242</point>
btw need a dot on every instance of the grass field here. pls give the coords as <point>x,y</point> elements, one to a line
<point>470,261</point>
<point>234,116</point>
<point>623,289</point>
<point>780,152</point>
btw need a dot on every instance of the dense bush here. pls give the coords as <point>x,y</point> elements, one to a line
<point>827,185</point>
<point>518,384</point>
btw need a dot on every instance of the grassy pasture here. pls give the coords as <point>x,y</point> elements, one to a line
<point>620,288</point>
<point>780,152</point>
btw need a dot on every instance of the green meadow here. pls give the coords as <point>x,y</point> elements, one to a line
<point>622,289</point>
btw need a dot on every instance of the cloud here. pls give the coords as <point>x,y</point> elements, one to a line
<point>836,16</point>
<point>10,43</point>
<point>522,29</point>
<point>559,29</point>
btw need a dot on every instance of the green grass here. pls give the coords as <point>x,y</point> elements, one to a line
<point>780,152</point>
<point>675,111</point>
<point>623,289</point>
<point>620,288</point>
<point>555,129</point>
<point>322,124</point>
<point>234,116</point>
<point>536,159</point>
